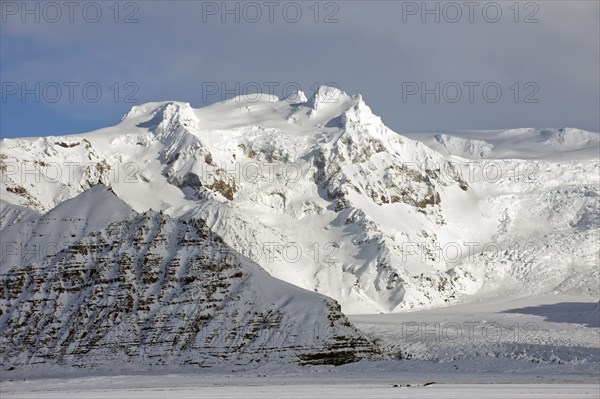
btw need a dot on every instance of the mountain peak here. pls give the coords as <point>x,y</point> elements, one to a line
<point>164,118</point>
<point>296,97</point>
<point>150,108</point>
<point>325,95</point>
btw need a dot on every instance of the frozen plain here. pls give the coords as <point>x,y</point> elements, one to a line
<point>93,389</point>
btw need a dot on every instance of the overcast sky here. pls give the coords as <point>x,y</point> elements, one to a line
<point>543,56</point>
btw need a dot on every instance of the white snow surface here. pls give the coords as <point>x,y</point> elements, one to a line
<point>11,214</point>
<point>321,194</point>
<point>528,143</point>
<point>99,388</point>
<point>419,236</point>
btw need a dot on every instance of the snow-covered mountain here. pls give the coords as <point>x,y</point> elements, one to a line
<point>547,144</point>
<point>113,288</point>
<point>321,194</point>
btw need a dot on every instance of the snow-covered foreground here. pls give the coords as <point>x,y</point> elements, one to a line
<point>476,378</point>
<point>323,391</point>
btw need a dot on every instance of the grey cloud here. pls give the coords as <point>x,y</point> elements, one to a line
<point>170,52</point>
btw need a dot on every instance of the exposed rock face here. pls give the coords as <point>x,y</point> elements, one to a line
<point>154,291</point>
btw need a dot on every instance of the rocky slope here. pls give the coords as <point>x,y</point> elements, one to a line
<point>146,290</point>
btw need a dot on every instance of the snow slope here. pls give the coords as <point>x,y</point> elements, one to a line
<point>547,144</point>
<point>34,238</point>
<point>146,291</point>
<point>11,214</point>
<point>321,194</point>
